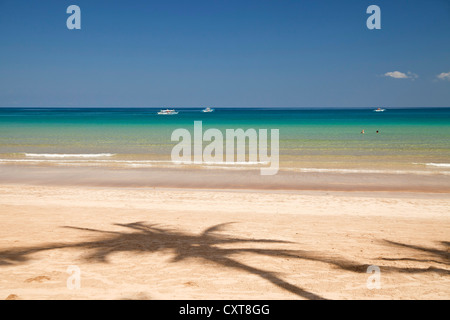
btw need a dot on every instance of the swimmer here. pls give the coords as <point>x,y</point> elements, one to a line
<point>362,132</point>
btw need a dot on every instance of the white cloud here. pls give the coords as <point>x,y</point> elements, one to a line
<point>444,76</point>
<point>401,75</point>
<point>396,75</point>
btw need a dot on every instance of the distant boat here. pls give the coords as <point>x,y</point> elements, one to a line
<point>168,112</point>
<point>379,110</point>
<point>208,110</point>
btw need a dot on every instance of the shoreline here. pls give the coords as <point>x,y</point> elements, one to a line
<point>224,179</point>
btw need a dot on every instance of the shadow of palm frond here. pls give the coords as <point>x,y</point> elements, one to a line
<point>438,256</point>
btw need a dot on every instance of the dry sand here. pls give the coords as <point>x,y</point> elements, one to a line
<point>144,243</point>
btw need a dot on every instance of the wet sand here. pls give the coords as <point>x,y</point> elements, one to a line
<point>224,179</point>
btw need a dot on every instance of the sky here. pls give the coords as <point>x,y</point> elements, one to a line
<point>225,53</point>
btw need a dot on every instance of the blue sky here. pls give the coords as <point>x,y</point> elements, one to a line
<point>225,53</point>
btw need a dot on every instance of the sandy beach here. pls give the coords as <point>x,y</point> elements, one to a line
<point>224,150</point>
<point>156,243</point>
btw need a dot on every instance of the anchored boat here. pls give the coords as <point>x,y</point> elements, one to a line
<point>167,112</point>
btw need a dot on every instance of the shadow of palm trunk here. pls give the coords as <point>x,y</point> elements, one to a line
<point>271,277</point>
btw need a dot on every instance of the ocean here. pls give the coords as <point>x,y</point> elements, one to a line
<point>408,140</point>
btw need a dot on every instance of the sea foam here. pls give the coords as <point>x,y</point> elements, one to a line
<point>56,155</point>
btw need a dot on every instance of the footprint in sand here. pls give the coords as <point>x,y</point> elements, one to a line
<point>190,284</point>
<point>39,279</point>
<point>138,296</point>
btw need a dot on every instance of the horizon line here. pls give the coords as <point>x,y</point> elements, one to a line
<point>227,107</point>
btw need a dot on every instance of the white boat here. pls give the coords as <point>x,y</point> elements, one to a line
<point>208,109</point>
<point>168,112</point>
<point>379,110</point>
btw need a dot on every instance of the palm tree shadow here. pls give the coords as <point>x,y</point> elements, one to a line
<point>141,238</point>
<point>145,238</point>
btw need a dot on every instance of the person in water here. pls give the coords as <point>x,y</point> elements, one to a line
<point>362,132</point>
<point>378,131</point>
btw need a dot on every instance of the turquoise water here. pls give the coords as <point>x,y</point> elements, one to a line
<point>415,139</point>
